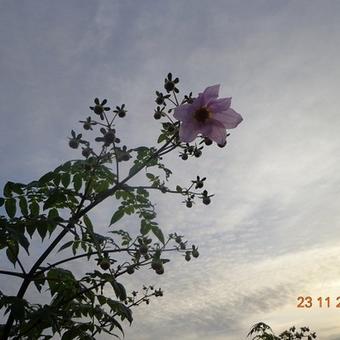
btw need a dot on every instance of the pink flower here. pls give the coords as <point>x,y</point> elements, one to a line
<point>207,116</point>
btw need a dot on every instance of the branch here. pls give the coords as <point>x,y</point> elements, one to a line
<point>77,257</point>
<point>6,272</point>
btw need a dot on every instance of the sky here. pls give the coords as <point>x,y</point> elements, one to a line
<point>272,231</point>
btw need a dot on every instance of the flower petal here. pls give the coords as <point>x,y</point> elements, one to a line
<point>230,118</point>
<point>218,105</point>
<point>181,112</point>
<point>198,102</point>
<point>188,131</point>
<point>205,128</point>
<point>218,132</point>
<point>210,93</point>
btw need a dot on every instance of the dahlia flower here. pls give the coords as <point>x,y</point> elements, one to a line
<point>208,116</point>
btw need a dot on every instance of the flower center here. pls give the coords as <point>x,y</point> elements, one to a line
<point>202,114</point>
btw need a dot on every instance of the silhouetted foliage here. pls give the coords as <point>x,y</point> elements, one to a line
<point>58,208</point>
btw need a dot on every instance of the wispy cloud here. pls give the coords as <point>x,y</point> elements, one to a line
<point>271,232</point>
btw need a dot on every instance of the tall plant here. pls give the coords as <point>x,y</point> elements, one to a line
<point>59,204</point>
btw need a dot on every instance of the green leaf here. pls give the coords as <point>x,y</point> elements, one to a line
<point>66,166</point>
<point>119,290</point>
<point>120,309</point>
<point>117,216</point>
<point>31,227</point>
<point>88,223</point>
<point>73,333</point>
<point>56,179</point>
<point>10,206</point>
<point>56,197</point>
<point>54,218</point>
<point>77,182</point>
<point>12,251</point>
<point>144,227</point>
<point>47,178</point>
<point>17,235</point>
<point>101,299</point>
<point>23,205</point>
<point>42,228</point>
<point>150,176</point>
<point>58,279</point>
<point>134,169</point>
<point>161,138</point>
<point>75,247</point>
<point>129,210</point>
<point>143,192</point>
<point>53,214</point>
<point>23,241</point>
<point>65,179</point>
<point>34,207</point>
<point>178,188</point>
<point>83,246</point>
<point>158,233</point>
<point>16,187</point>
<point>102,186</point>
<point>66,245</point>
<point>18,309</point>
<point>8,189</point>
<point>39,281</point>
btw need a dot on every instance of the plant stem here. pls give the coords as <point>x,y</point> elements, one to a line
<point>6,272</point>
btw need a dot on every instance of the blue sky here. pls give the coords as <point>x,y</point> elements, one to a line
<point>272,232</point>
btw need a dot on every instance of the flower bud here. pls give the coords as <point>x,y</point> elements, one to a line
<point>184,156</point>
<point>206,200</point>
<point>109,137</point>
<point>157,265</point>
<point>160,271</point>
<point>86,152</point>
<point>73,143</point>
<point>157,115</point>
<point>169,85</point>
<point>199,185</point>
<point>104,264</point>
<point>87,126</point>
<point>195,253</point>
<point>130,270</point>
<point>197,153</point>
<point>143,249</point>
<point>98,109</point>
<point>178,239</point>
<point>188,204</point>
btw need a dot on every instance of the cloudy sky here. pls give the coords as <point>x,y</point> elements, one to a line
<point>272,232</point>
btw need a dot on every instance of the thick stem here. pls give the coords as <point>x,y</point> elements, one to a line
<point>28,280</point>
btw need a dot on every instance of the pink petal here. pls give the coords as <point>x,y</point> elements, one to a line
<point>210,93</point>
<point>205,128</point>
<point>218,105</point>
<point>181,112</point>
<point>217,133</point>
<point>188,131</point>
<point>230,118</point>
<point>198,102</point>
